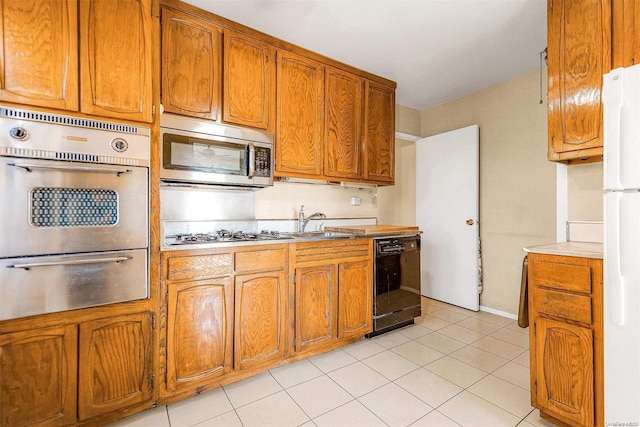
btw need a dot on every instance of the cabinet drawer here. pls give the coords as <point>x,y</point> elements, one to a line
<point>198,267</point>
<point>269,259</point>
<point>563,276</point>
<point>563,305</point>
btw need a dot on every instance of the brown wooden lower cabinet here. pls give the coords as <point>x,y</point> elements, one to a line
<point>332,292</point>
<point>115,369</point>
<point>65,374</point>
<point>38,370</point>
<point>565,336</point>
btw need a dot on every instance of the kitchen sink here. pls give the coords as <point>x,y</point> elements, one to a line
<point>316,235</point>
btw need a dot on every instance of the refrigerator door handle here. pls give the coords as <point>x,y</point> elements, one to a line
<point>613,261</point>
<point>613,97</point>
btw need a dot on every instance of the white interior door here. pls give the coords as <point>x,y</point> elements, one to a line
<point>447,187</point>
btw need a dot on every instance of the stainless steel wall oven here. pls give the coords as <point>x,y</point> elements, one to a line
<point>74,197</point>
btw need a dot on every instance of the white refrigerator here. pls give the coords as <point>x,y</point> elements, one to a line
<point>621,96</point>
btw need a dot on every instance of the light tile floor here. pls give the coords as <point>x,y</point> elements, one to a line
<point>454,367</point>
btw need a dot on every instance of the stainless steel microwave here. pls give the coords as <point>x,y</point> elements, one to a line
<point>198,151</point>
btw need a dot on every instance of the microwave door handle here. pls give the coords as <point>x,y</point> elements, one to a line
<point>71,262</point>
<point>30,166</point>
<point>252,160</point>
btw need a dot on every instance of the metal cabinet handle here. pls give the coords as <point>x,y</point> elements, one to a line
<point>29,166</point>
<point>72,262</point>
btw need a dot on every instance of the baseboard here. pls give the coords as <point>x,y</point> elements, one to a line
<point>498,312</point>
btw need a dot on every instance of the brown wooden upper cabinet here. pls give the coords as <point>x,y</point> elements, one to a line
<point>191,65</point>
<point>379,133</point>
<point>299,116</point>
<point>343,124</point>
<point>249,81</point>
<point>75,61</point>
<point>626,33</point>
<point>579,53</point>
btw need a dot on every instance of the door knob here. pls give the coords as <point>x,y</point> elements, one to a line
<point>469,222</point>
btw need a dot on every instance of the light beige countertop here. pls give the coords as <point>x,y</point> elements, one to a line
<point>577,249</point>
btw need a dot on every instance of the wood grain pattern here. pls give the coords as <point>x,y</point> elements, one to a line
<point>249,81</point>
<point>378,229</point>
<point>39,67</point>
<point>260,301</point>
<point>566,340</point>
<point>115,364</point>
<point>565,371</point>
<point>116,59</point>
<point>315,318</point>
<point>569,277</point>
<point>198,267</point>
<point>314,253</point>
<point>626,32</point>
<point>355,296</point>
<point>260,260</point>
<point>343,124</point>
<point>579,53</point>
<point>379,133</point>
<point>191,65</point>
<point>300,116</point>
<point>38,384</point>
<point>563,305</point>
<point>199,332</point>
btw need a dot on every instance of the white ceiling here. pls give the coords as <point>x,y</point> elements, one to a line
<point>436,50</point>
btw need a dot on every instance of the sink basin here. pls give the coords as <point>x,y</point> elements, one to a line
<point>315,234</point>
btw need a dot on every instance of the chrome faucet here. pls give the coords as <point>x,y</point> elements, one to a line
<point>302,222</point>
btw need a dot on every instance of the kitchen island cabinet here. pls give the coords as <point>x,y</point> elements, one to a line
<point>331,293</point>
<point>566,338</point>
<point>75,61</point>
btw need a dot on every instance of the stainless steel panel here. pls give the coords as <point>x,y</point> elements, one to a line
<point>39,285</point>
<point>30,134</point>
<point>23,235</point>
<point>202,204</point>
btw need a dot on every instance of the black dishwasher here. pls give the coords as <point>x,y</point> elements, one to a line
<point>396,300</point>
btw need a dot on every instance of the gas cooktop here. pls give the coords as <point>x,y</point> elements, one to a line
<point>221,236</point>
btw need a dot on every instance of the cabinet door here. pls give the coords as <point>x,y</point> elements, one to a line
<point>249,81</point>
<point>199,332</point>
<point>564,371</point>
<point>300,116</point>
<point>379,132</point>
<point>39,53</point>
<point>626,33</point>
<point>579,53</point>
<point>315,303</point>
<point>116,59</point>
<point>355,299</point>
<point>191,65</point>
<point>115,364</point>
<point>343,144</point>
<point>259,319</point>
<point>38,371</point>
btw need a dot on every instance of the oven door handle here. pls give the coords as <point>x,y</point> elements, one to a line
<point>72,262</point>
<point>252,160</point>
<point>29,166</point>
